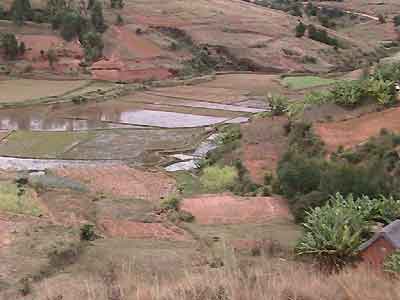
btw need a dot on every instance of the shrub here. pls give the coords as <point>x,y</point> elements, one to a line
<point>87,233</point>
<point>336,230</point>
<point>9,44</point>
<point>392,263</point>
<point>278,104</point>
<point>303,139</point>
<point>396,20</point>
<point>71,24</point>
<point>333,233</point>
<point>300,29</point>
<point>171,203</point>
<point>321,35</point>
<point>229,134</point>
<point>301,204</point>
<point>298,174</point>
<point>348,93</point>
<point>217,179</point>
<point>93,44</point>
<point>347,178</point>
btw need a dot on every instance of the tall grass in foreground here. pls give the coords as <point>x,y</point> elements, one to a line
<point>266,280</point>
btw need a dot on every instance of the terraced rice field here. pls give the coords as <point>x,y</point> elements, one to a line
<point>19,90</point>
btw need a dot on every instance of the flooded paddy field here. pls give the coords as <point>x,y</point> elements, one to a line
<point>152,127</point>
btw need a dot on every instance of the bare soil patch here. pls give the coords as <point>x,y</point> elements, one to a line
<point>139,230</point>
<point>122,181</point>
<point>228,209</point>
<point>263,143</point>
<point>352,132</point>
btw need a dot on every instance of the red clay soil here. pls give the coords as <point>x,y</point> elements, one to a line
<point>263,143</point>
<point>134,44</point>
<point>69,53</point>
<point>139,230</point>
<point>122,181</point>
<point>352,132</point>
<point>129,75</point>
<point>228,209</point>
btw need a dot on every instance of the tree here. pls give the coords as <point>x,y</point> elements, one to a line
<point>93,45</point>
<point>21,11</point>
<point>22,48</point>
<point>97,17</point>
<point>117,4</point>
<point>10,45</point>
<point>300,29</point>
<point>72,24</point>
<point>119,21</point>
<point>52,57</point>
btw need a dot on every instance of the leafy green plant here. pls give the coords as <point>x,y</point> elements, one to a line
<point>87,233</point>
<point>278,104</point>
<point>348,93</point>
<point>171,203</point>
<point>217,179</point>
<point>335,231</point>
<point>382,91</point>
<point>392,263</point>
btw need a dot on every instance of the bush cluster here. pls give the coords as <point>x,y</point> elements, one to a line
<point>307,178</point>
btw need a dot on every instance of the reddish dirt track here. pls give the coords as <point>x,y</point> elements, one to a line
<point>138,230</point>
<point>123,181</point>
<point>352,132</point>
<point>228,209</point>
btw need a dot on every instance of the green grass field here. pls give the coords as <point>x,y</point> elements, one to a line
<point>18,200</point>
<point>303,82</point>
<point>40,144</point>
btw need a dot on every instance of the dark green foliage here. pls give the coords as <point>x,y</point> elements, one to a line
<point>298,174</point>
<point>10,46</point>
<point>117,4</point>
<point>119,21</point>
<point>334,232</point>
<point>302,139</point>
<point>171,203</point>
<point>201,63</point>
<point>392,263</point>
<point>304,203</point>
<point>244,185</point>
<point>87,233</point>
<point>348,93</point>
<point>70,23</point>
<point>310,9</point>
<point>93,45</point>
<point>229,134</point>
<point>396,20</point>
<point>358,180</point>
<point>97,17</point>
<point>321,35</point>
<point>21,48</point>
<point>21,11</point>
<point>307,178</point>
<point>300,29</point>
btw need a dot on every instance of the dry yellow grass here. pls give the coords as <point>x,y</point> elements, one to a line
<point>269,280</point>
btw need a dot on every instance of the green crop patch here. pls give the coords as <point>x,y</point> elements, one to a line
<point>19,200</point>
<point>40,144</point>
<point>303,82</point>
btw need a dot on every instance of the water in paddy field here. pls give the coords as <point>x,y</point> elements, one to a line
<point>81,118</point>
